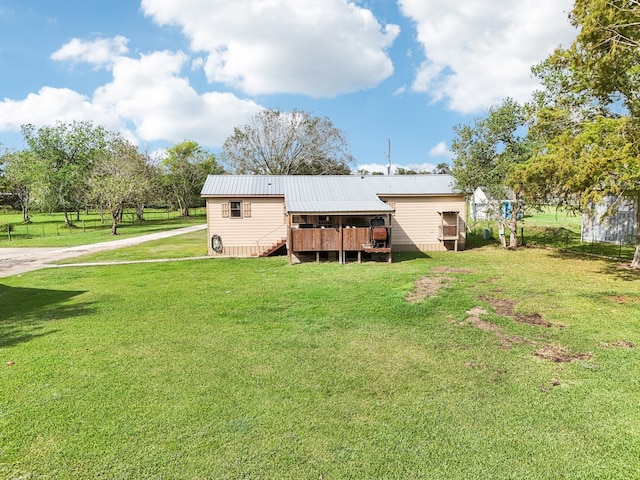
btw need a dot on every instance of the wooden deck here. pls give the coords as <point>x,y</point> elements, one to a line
<point>341,240</point>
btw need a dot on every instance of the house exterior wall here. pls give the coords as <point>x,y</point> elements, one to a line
<point>249,235</point>
<point>416,223</point>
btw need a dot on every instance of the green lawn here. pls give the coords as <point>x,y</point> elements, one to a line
<point>192,244</point>
<point>48,230</point>
<point>551,228</point>
<point>251,368</point>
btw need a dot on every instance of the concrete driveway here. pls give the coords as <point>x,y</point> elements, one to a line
<point>14,261</point>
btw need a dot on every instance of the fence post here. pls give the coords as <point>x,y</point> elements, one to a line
<point>9,232</point>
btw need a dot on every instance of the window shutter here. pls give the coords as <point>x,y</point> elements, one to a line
<point>246,207</point>
<point>225,210</point>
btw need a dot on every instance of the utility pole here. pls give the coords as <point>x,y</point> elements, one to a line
<point>388,156</point>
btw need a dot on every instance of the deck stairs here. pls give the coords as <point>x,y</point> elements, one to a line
<point>272,248</point>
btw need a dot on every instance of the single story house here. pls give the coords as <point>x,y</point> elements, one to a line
<point>333,216</point>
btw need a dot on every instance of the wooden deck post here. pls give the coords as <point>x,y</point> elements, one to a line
<point>289,238</point>
<point>340,241</point>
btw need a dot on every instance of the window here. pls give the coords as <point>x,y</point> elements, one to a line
<point>235,209</point>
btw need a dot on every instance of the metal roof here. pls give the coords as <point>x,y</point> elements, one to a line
<point>330,194</point>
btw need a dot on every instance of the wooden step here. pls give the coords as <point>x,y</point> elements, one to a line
<point>273,248</point>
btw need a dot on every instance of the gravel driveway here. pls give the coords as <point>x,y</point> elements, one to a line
<point>14,261</point>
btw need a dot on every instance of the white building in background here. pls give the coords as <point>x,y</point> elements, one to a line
<point>619,228</point>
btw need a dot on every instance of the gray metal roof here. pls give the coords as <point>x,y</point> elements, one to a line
<point>330,194</point>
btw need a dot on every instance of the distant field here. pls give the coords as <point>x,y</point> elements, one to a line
<point>479,364</point>
<point>48,230</point>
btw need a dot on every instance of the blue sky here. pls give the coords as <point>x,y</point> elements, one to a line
<point>162,71</point>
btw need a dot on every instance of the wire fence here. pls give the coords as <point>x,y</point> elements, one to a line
<point>47,225</point>
<point>560,238</point>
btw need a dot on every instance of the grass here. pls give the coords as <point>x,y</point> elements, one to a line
<point>553,229</point>
<point>192,244</point>
<point>251,368</point>
<point>48,230</point>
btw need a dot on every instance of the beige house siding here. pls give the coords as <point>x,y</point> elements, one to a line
<point>262,225</point>
<point>416,223</point>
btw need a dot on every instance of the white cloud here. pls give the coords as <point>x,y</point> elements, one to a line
<point>316,47</point>
<point>400,90</point>
<point>480,51</point>
<point>50,105</point>
<point>150,92</point>
<point>374,167</point>
<point>101,52</point>
<point>441,150</point>
<point>148,100</point>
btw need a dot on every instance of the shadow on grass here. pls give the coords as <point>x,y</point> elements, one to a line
<point>616,267</point>
<point>407,256</point>
<point>478,240</point>
<point>24,312</point>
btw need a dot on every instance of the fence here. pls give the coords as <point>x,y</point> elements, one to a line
<point>47,225</point>
<point>561,238</point>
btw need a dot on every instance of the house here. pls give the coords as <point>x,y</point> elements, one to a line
<point>619,228</point>
<point>335,217</point>
<point>484,207</point>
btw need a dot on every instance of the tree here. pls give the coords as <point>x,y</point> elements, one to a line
<point>120,178</point>
<point>64,157</point>
<point>442,169</point>
<point>589,112</point>
<point>486,155</point>
<point>288,143</point>
<point>19,177</point>
<point>405,171</point>
<point>185,170</point>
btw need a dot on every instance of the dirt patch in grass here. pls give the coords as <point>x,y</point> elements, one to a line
<point>559,354</point>
<point>533,319</point>
<point>623,299</point>
<point>506,308</point>
<point>505,340</point>
<point>427,287</point>
<point>554,382</point>
<point>553,353</point>
<point>619,344</point>
<point>445,269</point>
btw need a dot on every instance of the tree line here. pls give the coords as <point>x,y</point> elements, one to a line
<point>577,143</point>
<point>70,167</point>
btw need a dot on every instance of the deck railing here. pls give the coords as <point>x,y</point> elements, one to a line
<point>328,239</point>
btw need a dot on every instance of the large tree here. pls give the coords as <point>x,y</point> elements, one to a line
<point>120,178</point>
<point>19,177</point>
<point>64,156</point>
<point>487,153</point>
<point>589,112</point>
<point>186,167</point>
<point>288,143</point>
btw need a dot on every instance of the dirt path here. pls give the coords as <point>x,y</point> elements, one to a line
<point>14,261</point>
